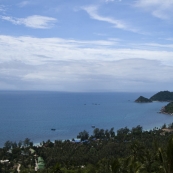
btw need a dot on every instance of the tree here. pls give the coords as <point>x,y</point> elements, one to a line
<point>99,133</point>
<point>111,132</point>
<point>116,166</point>
<point>56,169</point>
<point>96,132</point>
<point>123,131</point>
<point>107,134</point>
<point>14,145</point>
<point>83,135</point>
<point>170,154</point>
<point>137,130</point>
<point>26,142</point>
<point>164,126</point>
<point>8,145</point>
<point>133,165</point>
<point>31,144</point>
<point>20,144</point>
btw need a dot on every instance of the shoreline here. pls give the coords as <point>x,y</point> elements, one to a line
<point>162,111</point>
<point>166,129</point>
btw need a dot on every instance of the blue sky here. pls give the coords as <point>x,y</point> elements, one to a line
<point>86,45</point>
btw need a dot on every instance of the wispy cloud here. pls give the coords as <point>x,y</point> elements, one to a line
<point>2,9</point>
<point>35,21</point>
<point>24,3</point>
<point>169,39</point>
<point>159,8</point>
<point>160,45</point>
<point>93,12</point>
<point>109,0</point>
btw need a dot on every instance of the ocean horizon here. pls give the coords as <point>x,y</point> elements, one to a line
<point>32,114</point>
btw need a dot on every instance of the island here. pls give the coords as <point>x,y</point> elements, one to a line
<point>142,99</point>
<point>162,96</point>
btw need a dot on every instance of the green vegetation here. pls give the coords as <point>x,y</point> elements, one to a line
<point>163,96</point>
<point>169,108</point>
<point>126,151</point>
<point>142,99</point>
<point>160,96</point>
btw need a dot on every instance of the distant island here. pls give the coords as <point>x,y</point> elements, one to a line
<point>162,96</point>
<point>142,99</point>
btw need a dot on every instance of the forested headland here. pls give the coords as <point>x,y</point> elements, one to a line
<point>162,96</point>
<point>105,151</point>
<point>166,96</point>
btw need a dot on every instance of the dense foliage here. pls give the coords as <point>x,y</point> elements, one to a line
<point>169,108</point>
<point>126,151</point>
<point>163,96</point>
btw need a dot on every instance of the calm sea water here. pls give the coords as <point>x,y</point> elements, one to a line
<point>33,114</point>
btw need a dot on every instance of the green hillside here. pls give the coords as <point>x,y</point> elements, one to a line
<point>142,99</point>
<point>169,108</point>
<point>162,96</point>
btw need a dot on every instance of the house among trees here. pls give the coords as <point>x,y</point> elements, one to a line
<point>41,164</point>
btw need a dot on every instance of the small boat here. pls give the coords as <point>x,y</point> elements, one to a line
<point>53,129</point>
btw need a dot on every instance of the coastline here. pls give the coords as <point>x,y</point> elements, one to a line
<point>162,111</point>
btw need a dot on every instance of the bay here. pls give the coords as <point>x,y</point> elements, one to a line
<point>33,114</point>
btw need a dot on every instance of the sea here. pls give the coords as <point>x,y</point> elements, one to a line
<point>32,114</point>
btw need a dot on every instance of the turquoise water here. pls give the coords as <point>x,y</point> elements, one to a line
<point>33,114</point>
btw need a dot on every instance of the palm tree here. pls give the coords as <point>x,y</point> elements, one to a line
<point>116,166</point>
<point>170,154</point>
<point>134,166</point>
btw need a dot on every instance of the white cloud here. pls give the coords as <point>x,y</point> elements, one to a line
<point>60,64</point>
<point>158,8</point>
<point>160,45</point>
<point>69,49</point>
<point>93,12</point>
<point>35,21</point>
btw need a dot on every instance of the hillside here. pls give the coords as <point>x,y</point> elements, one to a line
<point>162,96</point>
<point>168,108</point>
<point>142,99</point>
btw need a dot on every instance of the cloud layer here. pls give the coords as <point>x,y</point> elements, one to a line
<point>93,45</point>
<point>59,64</point>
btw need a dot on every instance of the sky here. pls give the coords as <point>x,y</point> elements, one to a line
<point>86,45</point>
